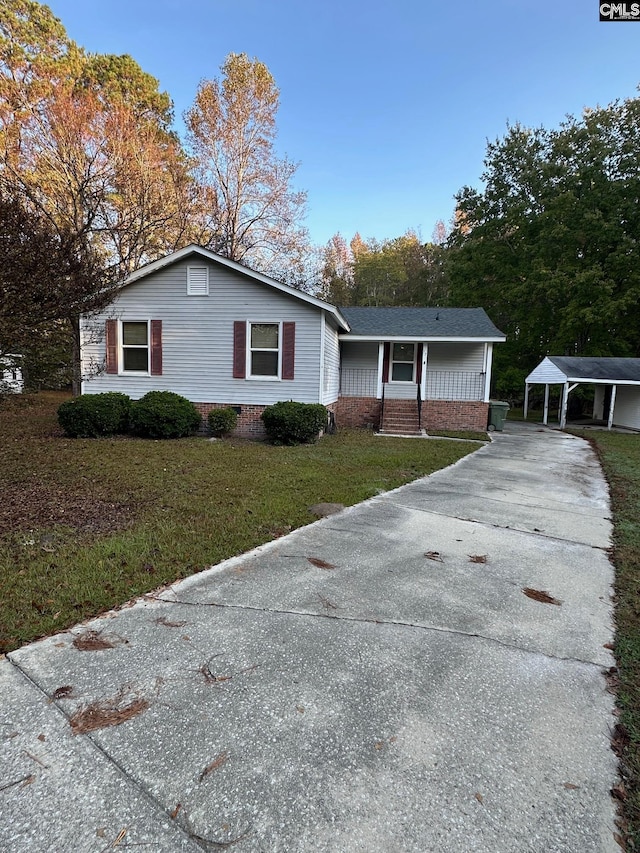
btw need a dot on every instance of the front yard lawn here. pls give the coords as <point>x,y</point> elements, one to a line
<point>86,524</point>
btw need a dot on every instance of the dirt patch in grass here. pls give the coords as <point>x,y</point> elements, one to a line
<point>36,506</point>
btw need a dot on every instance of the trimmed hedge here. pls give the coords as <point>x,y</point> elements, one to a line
<point>163,414</point>
<point>222,421</point>
<point>93,415</point>
<point>294,423</point>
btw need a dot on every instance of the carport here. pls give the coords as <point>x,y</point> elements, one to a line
<point>616,380</point>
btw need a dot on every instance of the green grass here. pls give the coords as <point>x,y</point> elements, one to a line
<point>89,523</point>
<point>620,458</point>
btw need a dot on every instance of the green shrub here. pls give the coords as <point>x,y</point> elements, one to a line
<point>294,423</point>
<point>163,414</point>
<point>222,421</point>
<point>93,415</point>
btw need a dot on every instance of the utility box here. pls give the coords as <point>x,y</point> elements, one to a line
<point>497,415</point>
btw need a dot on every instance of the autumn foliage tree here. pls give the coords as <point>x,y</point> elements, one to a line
<point>249,210</point>
<point>85,146</point>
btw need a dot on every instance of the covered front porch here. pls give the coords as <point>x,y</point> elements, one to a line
<point>418,384</point>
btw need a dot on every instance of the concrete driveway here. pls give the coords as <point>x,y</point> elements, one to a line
<point>377,681</point>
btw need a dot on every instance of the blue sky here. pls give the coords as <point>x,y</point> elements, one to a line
<point>386,106</point>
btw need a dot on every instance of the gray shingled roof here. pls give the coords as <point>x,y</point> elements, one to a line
<point>615,369</point>
<point>420,323</point>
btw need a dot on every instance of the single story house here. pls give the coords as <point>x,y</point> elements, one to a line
<point>222,334</point>
<point>616,381</point>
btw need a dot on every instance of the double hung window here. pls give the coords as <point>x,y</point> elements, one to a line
<point>135,347</point>
<point>264,349</point>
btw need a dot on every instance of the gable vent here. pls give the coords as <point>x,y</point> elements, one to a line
<point>197,281</point>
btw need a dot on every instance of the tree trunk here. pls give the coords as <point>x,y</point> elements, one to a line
<point>76,365</point>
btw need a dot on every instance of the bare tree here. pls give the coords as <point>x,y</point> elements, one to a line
<point>252,213</point>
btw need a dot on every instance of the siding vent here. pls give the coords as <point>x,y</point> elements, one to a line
<point>197,281</point>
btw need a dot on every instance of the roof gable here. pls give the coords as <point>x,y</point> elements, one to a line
<point>206,254</point>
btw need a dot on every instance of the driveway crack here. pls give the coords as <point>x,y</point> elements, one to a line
<point>372,620</point>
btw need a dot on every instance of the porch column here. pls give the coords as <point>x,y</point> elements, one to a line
<point>423,378</point>
<point>488,360</point>
<point>380,364</point>
<point>611,406</point>
<point>526,400</point>
<point>545,417</point>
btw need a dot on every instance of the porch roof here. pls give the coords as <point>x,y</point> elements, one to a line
<point>420,323</point>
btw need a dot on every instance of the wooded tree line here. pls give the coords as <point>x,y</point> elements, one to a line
<point>94,181</point>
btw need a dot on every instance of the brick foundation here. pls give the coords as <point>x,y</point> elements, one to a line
<point>436,414</point>
<point>455,414</point>
<point>358,412</point>
<point>249,423</point>
<point>364,413</point>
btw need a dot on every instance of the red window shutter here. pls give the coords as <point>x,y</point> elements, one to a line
<point>288,350</point>
<point>156,347</point>
<point>111,338</point>
<point>239,349</point>
<point>419,365</point>
<point>386,355</point>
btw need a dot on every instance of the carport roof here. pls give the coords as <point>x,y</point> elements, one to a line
<point>559,369</point>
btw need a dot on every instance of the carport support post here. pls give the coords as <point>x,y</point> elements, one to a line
<point>545,419</point>
<point>565,401</point>
<point>526,400</point>
<point>611,405</point>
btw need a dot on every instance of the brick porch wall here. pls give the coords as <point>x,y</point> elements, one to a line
<point>249,423</point>
<point>359,412</point>
<point>454,414</point>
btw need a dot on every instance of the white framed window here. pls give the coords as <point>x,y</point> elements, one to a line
<point>134,345</point>
<point>197,281</point>
<point>403,362</point>
<point>263,353</point>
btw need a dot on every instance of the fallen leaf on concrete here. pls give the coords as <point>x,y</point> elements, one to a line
<point>379,744</point>
<point>215,764</point>
<point>64,692</point>
<point>477,558</point>
<point>92,641</point>
<point>479,797</point>
<point>320,564</point>
<point>162,620</point>
<point>174,813</point>
<point>102,715</point>
<point>540,595</point>
<point>570,786</point>
<point>42,738</point>
<point>120,837</point>
<point>609,646</point>
<point>326,602</point>
<point>436,556</point>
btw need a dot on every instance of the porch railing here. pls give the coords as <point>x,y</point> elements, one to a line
<point>440,385</point>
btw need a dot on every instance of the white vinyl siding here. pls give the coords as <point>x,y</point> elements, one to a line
<point>197,343</point>
<point>331,369</point>
<point>198,281</point>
